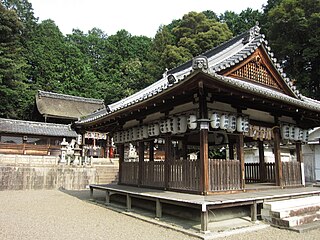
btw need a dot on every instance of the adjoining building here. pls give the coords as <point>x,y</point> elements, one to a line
<point>62,108</point>
<point>33,138</point>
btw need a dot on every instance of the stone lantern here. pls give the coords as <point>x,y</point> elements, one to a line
<point>77,151</point>
<point>64,145</point>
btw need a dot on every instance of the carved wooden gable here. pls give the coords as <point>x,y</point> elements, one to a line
<point>258,69</point>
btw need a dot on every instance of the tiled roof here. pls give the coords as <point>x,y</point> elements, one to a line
<point>35,128</point>
<point>66,106</point>
<point>220,58</point>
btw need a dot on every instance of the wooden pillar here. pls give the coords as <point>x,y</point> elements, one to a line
<point>141,160</point>
<point>240,155</point>
<point>277,157</point>
<point>204,149</point>
<point>151,150</point>
<point>300,160</point>
<point>121,160</point>
<point>262,166</point>
<point>299,152</point>
<point>167,161</point>
<point>231,152</point>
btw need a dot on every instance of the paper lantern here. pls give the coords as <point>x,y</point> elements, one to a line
<point>215,120</point>
<point>243,124</point>
<point>163,126</point>
<point>305,136</point>
<point>192,122</point>
<point>224,121</point>
<point>182,123</point>
<point>285,131</point>
<point>232,126</point>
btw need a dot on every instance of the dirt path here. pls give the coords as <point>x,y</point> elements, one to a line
<point>53,214</point>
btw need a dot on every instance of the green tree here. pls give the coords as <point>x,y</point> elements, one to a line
<point>294,36</point>
<point>192,35</point>
<point>13,88</point>
<point>239,23</point>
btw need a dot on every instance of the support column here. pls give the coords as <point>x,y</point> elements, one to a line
<point>231,152</point>
<point>300,160</point>
<point>167,161</point>
<point>240,155</point>
<point>277,157</point>
<point>262,166</point>
<point>204,149</point>
<point>141,160</point>
<point>151,150</point>
<point>121,160</point>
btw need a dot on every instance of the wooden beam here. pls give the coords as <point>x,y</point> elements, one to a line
<point>151,150</point>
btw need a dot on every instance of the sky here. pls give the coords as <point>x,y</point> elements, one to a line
<point>138,17</point>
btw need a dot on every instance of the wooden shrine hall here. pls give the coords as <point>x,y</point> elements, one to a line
<point>212,107</point>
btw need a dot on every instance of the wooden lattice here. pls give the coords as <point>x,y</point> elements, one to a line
<point>256,71</point>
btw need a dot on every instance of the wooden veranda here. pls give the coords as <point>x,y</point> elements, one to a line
<point>203,204</point>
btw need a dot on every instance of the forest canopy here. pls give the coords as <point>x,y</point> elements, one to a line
<point>37,56</point>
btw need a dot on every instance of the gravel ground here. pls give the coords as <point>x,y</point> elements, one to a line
<point>54,214</point>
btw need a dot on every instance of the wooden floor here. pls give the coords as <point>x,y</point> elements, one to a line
<point>204,203</point>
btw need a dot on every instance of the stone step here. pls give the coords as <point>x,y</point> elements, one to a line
<point>291,203</point>
<point>296,211</point>
<point>296,220</point>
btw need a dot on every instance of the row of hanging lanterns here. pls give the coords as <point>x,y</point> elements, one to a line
<point>229,122</point>
<point>293,133</point>
<point>180,124</point>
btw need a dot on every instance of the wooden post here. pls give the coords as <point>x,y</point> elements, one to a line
<point>141,160</point>
<point>231,152</point>
<point>121,160</point>
<point>254,211</point>
<point>129,203</point>
<point>300,160</point>
<point>151,150</point>
<point>158,208</point>
<point>262,166</point>
<point>240,155</point>
<point>167,161</point>
<point>204,150</point>
<point>277,157</point>
<point>204,221</point>
<point>107,202</point>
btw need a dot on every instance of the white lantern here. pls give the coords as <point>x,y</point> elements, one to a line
<point>305,137</point>
<point>215,120</point>
<point>163,126</point>
<point>224,121</point>
<point>232,126</point>
<point>134,134</point>
<point>285,131</point>
<point>182,124</point>
<point>243,124</point>
<point>145,131</point>
<point>174,125</point>
<point>192,121</point>
<point>291,132</point>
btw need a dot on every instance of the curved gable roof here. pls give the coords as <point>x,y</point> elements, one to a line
<point>219,60</point>
<point>66,106</point>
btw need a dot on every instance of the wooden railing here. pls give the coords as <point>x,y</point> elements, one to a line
<point>153,174</point>
<point>184,175</point>
<point>224,174</point>
<point>291,172</point>
<point>270,172</point>
<point>130,173</point>
<point>28,149</point>
<point>252,172</point>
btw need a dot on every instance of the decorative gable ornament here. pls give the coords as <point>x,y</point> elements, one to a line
<point>200,63</point>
